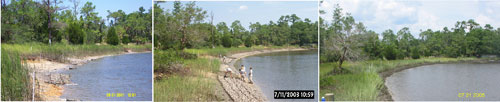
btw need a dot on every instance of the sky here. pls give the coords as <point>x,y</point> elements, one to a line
<point>101,6</point>
<point>254,11</point>
<point>380,15</point>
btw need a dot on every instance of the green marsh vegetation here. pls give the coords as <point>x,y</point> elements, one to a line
<point>47,29</point>
<point>16,78</point>
<point>353,58</point>
<point>184,47</point>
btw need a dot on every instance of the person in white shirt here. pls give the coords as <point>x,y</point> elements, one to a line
<point>250,74</point>
<point>228,70</point>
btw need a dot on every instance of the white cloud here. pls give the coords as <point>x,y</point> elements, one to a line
<point>482,19</point>
<point>380,15</point>
<point>243,7</point>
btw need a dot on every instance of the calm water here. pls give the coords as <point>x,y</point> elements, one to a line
<point>445,82</point>
<point>296,70</point>
<point>129,73</point>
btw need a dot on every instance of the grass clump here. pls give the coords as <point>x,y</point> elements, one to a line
<point>199,84</point>
<point>359,87</point>
<point>16,85</point>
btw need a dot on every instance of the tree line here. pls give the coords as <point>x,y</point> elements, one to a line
<point>48,21</point>
<point>189,26</point>
<point>343,39</point>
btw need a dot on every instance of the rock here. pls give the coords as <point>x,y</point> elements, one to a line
<point>71,67</point>
<point>59,79</point>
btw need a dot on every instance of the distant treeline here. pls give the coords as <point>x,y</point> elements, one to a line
<point>344,39</point>
<point>48,21</point>
<point>188,26</point>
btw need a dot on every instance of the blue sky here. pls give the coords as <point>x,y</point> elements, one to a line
<point>101,6</point>
<point>381,15</point>
<point>254,11</point>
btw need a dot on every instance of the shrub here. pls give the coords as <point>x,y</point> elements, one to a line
<point>76,35</point>
<point>227,41</point>
<point>112,37</point>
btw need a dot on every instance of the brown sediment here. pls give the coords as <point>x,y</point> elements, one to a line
<point>50,92</point>
<point>386,95</point>
<point>237,89</point>
<point>49,83</point>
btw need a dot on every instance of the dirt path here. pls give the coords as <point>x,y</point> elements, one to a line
<point>237,89</point>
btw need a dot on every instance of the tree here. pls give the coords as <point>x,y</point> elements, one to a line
<point>76,34</point>
<point>50,10</point>
<point>344,37</point>
<point>404,38</point>
<point>112,37</point>
<point>390,45</point>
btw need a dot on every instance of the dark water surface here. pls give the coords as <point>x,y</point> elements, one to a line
<point>295,70</point>
<point>129,73</point>
<point>442,82</point>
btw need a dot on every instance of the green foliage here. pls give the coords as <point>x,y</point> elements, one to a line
<point>228,51</point>
<point>58,51</point>
<point>125,40</point>
<point>466,39</point>
<point>165,59</point>
<point>43,21</point>
<point>188,88</point>
<point>16,85</point>
<point>250,40</point>
<point>227,41</point>
<point>76,35</point>
<point>112,37</point>
<point>352,87</point>
<point>173,30</point>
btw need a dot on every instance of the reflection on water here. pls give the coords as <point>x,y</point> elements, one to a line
<point>129,73</point>
<point>296,70</point>
<point>446,82</point>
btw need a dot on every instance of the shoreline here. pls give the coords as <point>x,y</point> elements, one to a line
<point>50,83</point>
<point>386,95</point>
<point>238,90</point>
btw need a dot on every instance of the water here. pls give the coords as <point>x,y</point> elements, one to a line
<point>296,70</point>
<point>129,73</point>
<point>442,82</point>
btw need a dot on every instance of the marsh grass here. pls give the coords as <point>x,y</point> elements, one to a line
<point>59,51</point>
<point>359,86</point>
<point>15,78</point>
<point>198,85</point>
<point>364,83</point>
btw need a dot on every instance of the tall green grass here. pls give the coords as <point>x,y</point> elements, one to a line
<point>58,51</point>
<point>15,78</point>
<point>199,84</point>
<point>356,87</point>
<point>364,83</point>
